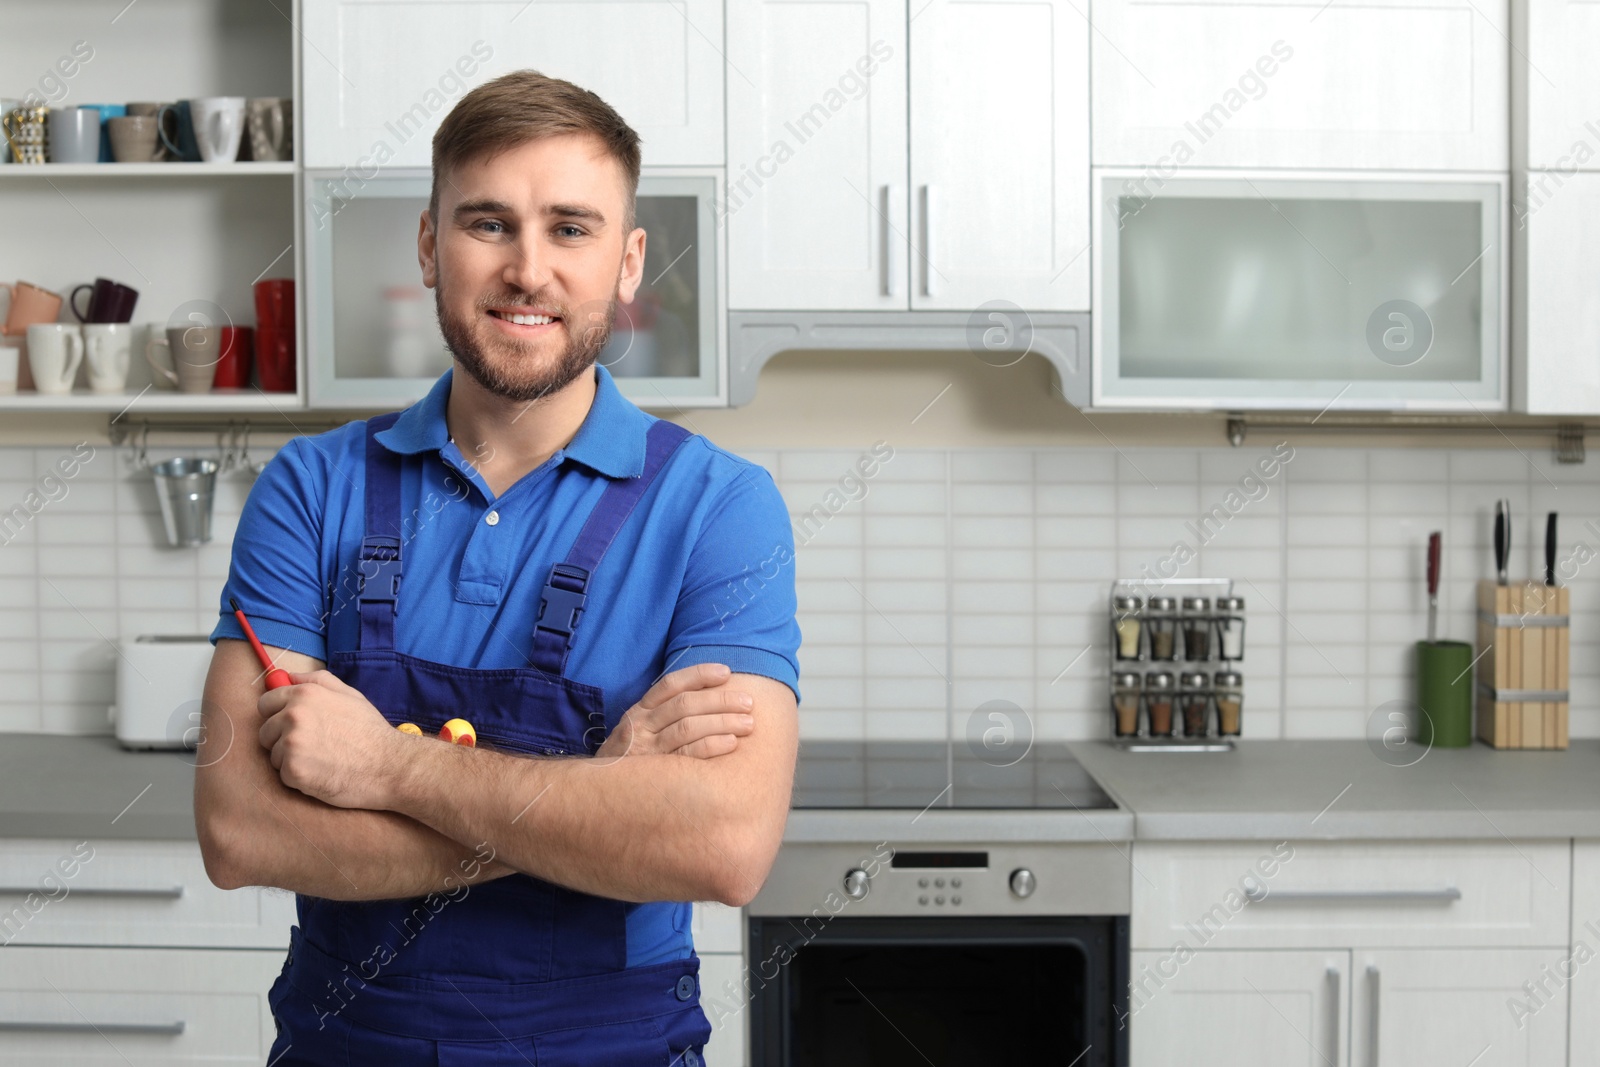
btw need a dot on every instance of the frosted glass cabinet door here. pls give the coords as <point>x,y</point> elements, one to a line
<point>372,329</point>
<point>1315,292</point>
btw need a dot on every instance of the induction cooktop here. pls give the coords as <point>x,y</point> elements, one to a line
<point>934,774</point>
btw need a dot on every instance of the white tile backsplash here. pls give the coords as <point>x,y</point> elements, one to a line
<point>947,579</point>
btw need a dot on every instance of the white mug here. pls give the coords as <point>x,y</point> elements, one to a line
<point>106,346</point>
<point>9,358</point>
<point>218,125</point>
<point>54,351</point>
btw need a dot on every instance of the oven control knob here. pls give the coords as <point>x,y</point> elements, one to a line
<point>1022,882</point>
<point>855,884</point>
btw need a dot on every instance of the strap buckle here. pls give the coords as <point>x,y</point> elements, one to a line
<point>560,605</point>
<point>380,570</point>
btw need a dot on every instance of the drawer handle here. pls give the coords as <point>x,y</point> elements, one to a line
<point>1375,1001</point>
<point>165,892</point>
<point>1333,1011</point>
<point>1258,895</point>
<point>892,268</point>
<point>172,1029</point>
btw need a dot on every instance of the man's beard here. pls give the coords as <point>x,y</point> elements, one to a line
<point>513,369</point>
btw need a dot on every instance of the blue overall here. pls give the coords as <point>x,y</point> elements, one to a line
<point>515,970</point>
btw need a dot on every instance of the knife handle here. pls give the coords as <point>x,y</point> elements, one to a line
<point>1550,549</point>
<point>1433,564</point>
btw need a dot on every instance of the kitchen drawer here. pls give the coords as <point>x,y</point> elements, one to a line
<point>717,928</point>
<point>1388,894</point>
<point>65,892</point>
<point>124,1006</point>
<point>1585,1043</point>
<point>722,999</point>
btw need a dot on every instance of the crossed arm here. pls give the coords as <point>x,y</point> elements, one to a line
<point>308,788</point>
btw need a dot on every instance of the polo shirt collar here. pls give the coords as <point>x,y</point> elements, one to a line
<point>611,440</point>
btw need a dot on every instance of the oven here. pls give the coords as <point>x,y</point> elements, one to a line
<point>930,907</point>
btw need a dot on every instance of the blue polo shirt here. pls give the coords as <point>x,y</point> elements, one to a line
<point>701,573</point>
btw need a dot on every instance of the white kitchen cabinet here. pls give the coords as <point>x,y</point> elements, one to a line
<point>152,893</point>
<point>1556,98</point>
<point>1240,1009</point>
<point>816,201</point>
<point>729,1045</point>
<point>999,155</point>
<point>1412,1007</point>
<point>1582,964</point>
<point>1416,894</point>
<point>1556,294</point>
<point>1391,84</point>
<point>135,1006</point>
<point>380,75</point>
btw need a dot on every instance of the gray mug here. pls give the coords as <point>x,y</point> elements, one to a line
<point>270,124</point>
<point>74,135</point>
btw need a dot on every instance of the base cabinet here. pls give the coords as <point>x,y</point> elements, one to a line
<point>1239,1009</point>
<point>123,1006</point>
<point>1583,962</point>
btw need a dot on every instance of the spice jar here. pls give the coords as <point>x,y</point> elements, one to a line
<point>1230,702</point>
<point>1158,696</point>
<point>1125,704</point>
<point>1126,622</point>
<point>1230,627</point>
<point>1195,701</point>
<point>1196,624</point>
<point>1162,622</point>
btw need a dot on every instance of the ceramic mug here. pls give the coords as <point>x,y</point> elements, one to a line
<point>270,121</point>
<point>30,304</point>
<point>107,113</point>
<point>74,135</point>
<point>109,301</point>
<point>180,144</point>
<point>275,302</point>
<point>54,351</point>
<point>191,356</point>
<point>166,116</point>
<point>233,364</point>
<point>106,346</point>
<point>10,358</point>
<point>25,132</point>
<point>218,127</point>
<point>133,138</point>
<point>275,358</point>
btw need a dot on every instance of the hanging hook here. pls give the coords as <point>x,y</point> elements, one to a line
<point>244,458</point>
<point>142,460</point>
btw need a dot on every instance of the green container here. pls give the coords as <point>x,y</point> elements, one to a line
<point>1444,692</point>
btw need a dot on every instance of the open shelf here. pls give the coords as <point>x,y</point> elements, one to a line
<point>25,171</point>
<point>154,400</point>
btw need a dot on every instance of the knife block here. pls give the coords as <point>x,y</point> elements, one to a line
<point>1524,648</point>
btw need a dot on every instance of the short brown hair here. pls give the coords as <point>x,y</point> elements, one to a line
<point>524,106</point>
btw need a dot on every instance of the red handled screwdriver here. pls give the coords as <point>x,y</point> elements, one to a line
<point>277,677</point>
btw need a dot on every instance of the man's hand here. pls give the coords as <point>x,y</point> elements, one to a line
<point>329,742</point>
<point>685,713</point>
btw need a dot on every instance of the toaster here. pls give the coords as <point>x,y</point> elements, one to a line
<point>159,681</point>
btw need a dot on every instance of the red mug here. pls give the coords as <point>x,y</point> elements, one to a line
<point>275,302</point>
<point>233,366</point>
<point>275,358</point>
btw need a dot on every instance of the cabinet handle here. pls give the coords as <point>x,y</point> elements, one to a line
<point>1259,895</point>
<point>1333,1012</point>
<point>172,1029</point>
<point>892,268</point>
<point>1372,1010</point>
<point>927,241</point>
<point>169,892</point>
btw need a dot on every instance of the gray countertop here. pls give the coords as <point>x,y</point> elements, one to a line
<point>1342,789</point>
<point>79,787</point>
<point>93,788</point>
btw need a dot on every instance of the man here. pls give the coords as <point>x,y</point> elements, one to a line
<point>526,550</point>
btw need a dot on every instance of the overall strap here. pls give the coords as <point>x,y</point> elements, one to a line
<point>568,585</point>
<point>380,566</point>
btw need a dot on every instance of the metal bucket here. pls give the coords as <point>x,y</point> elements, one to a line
<point>185,487</point>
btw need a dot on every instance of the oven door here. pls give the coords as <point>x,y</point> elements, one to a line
<point>849,991</point>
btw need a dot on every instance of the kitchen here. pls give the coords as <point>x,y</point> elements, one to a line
<point>1116,364</point>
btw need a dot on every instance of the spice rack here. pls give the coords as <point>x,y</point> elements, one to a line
<point>1176,651</point>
